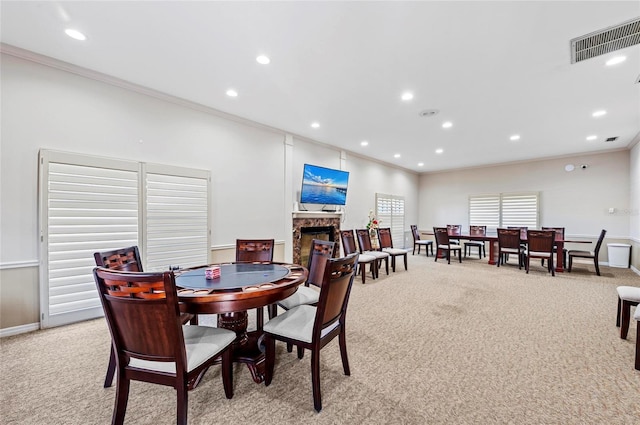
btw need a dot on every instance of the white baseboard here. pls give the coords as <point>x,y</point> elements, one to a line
<point>22,329</point>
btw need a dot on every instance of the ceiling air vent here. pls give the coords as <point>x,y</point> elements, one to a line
<point>611,139</point>
<point>605,41</point>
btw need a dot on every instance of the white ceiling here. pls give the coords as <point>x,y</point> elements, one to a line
<point>493,69</point>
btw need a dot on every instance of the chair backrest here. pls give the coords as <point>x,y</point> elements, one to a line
<point>254,249</point>
<point>509,238</point>
<point>541,240</point>
<point>477,230</point>
<point>415,233</point>
<point>334,294</point>
<point>143,315</point>
<point>442,235</point>
<point>559,231</point>
<point>321,253</point>
<point>125,259</point>
<point>523,230</point>
<point>599,243</point>
<point>348,242</point>
<point>384,237</point>
<point>364,240</point>
<point>454,229</point>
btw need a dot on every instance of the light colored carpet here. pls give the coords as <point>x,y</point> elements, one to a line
<point>457,344</point>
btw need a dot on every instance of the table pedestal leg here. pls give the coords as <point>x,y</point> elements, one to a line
<point>493,252</point>
<point>245,347</point>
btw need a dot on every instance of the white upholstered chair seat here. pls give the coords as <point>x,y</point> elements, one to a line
<point>511,250</point>
<point>304,295</point>
<point>450,246</point>
<point>395,251</point>
<point>541,254</point>
<point>297,323</point>
<point>366,258</point>
<point>629,293</point>
<point>201,343</point>
<point>378,255</point>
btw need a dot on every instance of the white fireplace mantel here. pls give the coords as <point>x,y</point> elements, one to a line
<point>316,214</point>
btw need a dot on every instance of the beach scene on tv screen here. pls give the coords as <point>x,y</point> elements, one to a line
<point>324,186</point>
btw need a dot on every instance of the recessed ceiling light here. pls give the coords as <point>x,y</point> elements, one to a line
<point>75,34</point>
<point>428,112</point>
<point>569,167</point>
<point>262,59</point>
<point>616,60</point>
<point>599,113</point>
<point>364,143</point>
<point>407,96</point>
<point>439,151</point>
<point>447,124</point>
<point>420,164</point>
<point>515,137</point>
<point>315,125</point>
<point>396,155</point>
<point>232,93</point>
<point>592,137</point>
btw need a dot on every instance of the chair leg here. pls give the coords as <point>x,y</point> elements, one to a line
<point>638,347</point>
<point>626,318</point>
<point>527,264</point>
<point>227,372</point>
<point>618,312</point>
<point>300,352</point>
<point>570,263</point>
<point>342,339</point>
<point>405,261</point>
<point>289,347</point>
<point>315,379</point>
<point>122,397</point>
<point>269,359</point>
<point>111,369</point>
<point>595,262</point>
<point>460,256</point>
<point>182,403</point>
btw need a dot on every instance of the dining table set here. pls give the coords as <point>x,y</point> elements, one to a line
<point>491,236</point>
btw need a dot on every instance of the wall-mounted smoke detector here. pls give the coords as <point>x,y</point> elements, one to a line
<point>611,139</point>
<point>428,112</point>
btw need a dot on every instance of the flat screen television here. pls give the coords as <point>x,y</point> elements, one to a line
<point>324,186</point>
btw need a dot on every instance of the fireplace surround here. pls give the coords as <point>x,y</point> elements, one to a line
<point>307,226</point>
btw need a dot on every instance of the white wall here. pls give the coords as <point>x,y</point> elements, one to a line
<point>45,107</point>
<point>577,200</point>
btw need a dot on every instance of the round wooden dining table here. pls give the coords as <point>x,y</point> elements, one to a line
<point>239,287</point>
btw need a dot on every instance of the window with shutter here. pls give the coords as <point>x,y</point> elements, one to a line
<point>90,204</point>
<point>504,209</point>
<point>390,210</point>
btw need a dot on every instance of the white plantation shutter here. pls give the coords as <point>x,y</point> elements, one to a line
<point>484,210</point>
<point>177,218</point>
<point>90,204</point>
<point>84,209</point>
<point>390,213</point>
<point>504,210</point>
<point>520,209</point>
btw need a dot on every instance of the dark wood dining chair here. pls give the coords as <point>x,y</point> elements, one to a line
<point>588,254</point>
<point>365,247</point>
<point>313,328</point>
<point>540,244</point>
<point>386,245</point>
<point>510,242</point>
<point>559,235</point>
<point>443,244</point>
<point>628,296</point>
<point>320,253</point>
<point>150,342</point>
<point>476,231</point>
<point>123,259</point>
<point>454,230</point>
<point>252,251</point>
<point>349,247</point>
<point>427,243</point>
